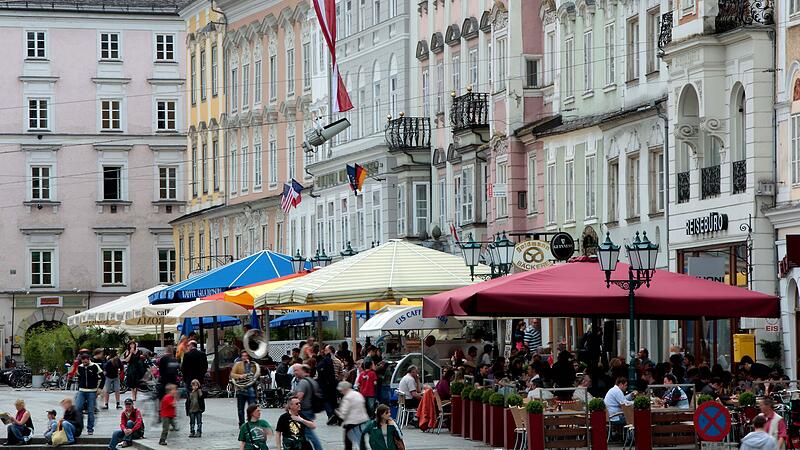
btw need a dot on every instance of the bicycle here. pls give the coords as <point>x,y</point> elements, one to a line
<point>52,380</point>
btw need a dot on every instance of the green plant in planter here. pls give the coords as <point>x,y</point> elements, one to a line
<point>747,399</point>
<point>597,404</point>
<point>497,399</point>
<point>486,395</point>
<point>456,387</point>
<point>514,400</point>
<point>702,398</point>
<point>534,407</point>
<point>466,392</point>
<point>476,395</point>
<point>641,402</point>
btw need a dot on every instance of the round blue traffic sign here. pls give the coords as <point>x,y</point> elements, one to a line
<point>712,421</point>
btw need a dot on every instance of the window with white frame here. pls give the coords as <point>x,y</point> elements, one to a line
<point>569,191</point>
<point>113,266</point>
<point>377,216</point>
<point>456,65</point>
<point>549,57</point>
<point>36,44</point>
<point>165,115</point>
<point>362,102</point>
<point>550,194</point>
<point>245,86</point>
<point>457,198</point>
<point>473,66</point>
<point>109,46</point>
<point>569,67</point>
<point>590,193</point>
<point>420,208</point>
<point>194,170</point>
<point>258,161</point>
<point>401,209</point>
<point>656,183</point>
<point>290,79</point>
<point>376,12</point>
<point>794,7</point>
<point>613,190</point>
<point>489,66</point>
<point>204,166</point>
<point>291,152</point>
<point>167,183</point>
<point>632,45</point>
<point>40,183</point>
<point>273,78</point>
<point>234,166</point>
<point>376,101</point>
<point>795,139</point>
<point>532,177</point>
<point>264,236</point>
<point>467,194</point>
<point>362,15</point>
<point>273,161</point>
<point>439,87</point>
<point>320,233</point>
<point>531,72</point>
<point>348,18</point>
<point>203,77</point>
<point>588,67</point>
<point>166,265</point>
<point>330,228</point>
<point>306,66</point>
<point>633,185</point>
<point>112,183</point>
<point>215,164</point>
<point>257,82</point>
<point>426,87</point>
<point>484,176</point>
<point>42,267</point>
<point>245,178</point>
<point>610,63</point>
<point>214,63</point>
<point>501,64</point>
<point>234,89</point>
<point>165,47</point>
<point>38,114</point>
<point>193,78</point>
<point>501,189</point>
<point>653,31</point>
<point>442,203</point>
<point>344,224</point>
<point>393,94</point>
<point>110,115</point>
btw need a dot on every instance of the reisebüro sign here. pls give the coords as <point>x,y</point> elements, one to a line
<point>711,223</point>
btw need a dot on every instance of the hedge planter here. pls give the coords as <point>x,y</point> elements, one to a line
<point>455,415</point>
<point>476,434</point>
<point>486,423</point>
<point>599,432</point>
<point>497,429</point>
<point>535,431</point>
<point>509,436</point>
<point>466,417</point>
<point>643,423</point>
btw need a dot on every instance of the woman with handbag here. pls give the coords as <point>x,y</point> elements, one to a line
<point>383,432</point>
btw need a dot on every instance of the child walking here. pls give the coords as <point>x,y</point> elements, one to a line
<point>168,412</point>
<point>195,406</point>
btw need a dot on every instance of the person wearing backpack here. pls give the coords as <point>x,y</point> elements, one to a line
<point>311,401</point>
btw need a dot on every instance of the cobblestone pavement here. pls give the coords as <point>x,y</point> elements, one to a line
<point>219,424</point>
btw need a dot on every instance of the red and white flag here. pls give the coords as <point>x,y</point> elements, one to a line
<point>326,16</point>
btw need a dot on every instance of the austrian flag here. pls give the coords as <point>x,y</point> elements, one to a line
<point>326,16</point>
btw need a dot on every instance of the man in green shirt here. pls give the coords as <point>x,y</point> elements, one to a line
<point>254,432</point>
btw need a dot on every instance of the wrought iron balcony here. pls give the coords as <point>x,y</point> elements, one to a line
<point>408,133</point>
<point>469,110</point>
<point>683,187</point>
<point>736,13</point>
<point>739,176</point>
<point>709,181</point>
<point>665,36</point>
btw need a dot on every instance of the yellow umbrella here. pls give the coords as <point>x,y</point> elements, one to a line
<point>347,306</point>
<point>244,296</point>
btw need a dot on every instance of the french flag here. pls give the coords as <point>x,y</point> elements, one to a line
<point>326,16</point>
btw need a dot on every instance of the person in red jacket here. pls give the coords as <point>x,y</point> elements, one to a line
<point>367,382</point>
<point>131,426</point>
<point>168,412</point>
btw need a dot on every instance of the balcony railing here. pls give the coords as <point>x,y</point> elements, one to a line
<point>683,187</point>
<point>665,36</point>
<point>469,110</point>
<point>709,181</point>
<point>408,133</point>
<point>739,176</point>
<point>736,13</point>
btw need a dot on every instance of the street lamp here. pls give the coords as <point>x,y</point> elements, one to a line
<point>642,255</point>
<point>323,260</point>
<point>499,253</point>
<point>348,251</point>
<point>472,254</point>
<point>505,252</point>
<point>298,262</point>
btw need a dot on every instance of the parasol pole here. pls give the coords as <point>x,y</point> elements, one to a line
<point>265,319</point>
<point>216,350</point>
<point>162,331</point>
<point>353,333</point>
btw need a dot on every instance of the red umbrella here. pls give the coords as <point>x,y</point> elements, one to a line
<point>578,289</point>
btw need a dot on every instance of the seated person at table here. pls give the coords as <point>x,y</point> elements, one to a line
<point>581,393</point>
<point>615,398</point>
<point>443,386</point>
<point>537,393</point>
<point>409,388</point>
<point>481,374</point>
<point>675,397</point>
<point>713,388</point>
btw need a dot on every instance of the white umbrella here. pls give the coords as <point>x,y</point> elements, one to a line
<point>107,313</point>
<point>404,318</point>
<point>206,308</point>
<point>147,314</point>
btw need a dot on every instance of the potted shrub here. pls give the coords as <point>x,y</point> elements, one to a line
<point>643,422</point>
<point>512,401</point>
<point>535,410</point>
<point>702,398</point>
<point>476,419</point>
<point>466,410</point>
<point>456,388</point>
<point>495,419</point>
<point>747,401</point>
<point>486,422</point>
<point>598,423</point>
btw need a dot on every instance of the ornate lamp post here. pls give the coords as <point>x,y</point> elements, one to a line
<point>500,252</point>
<point>348,251</point>
<point>298,262</point>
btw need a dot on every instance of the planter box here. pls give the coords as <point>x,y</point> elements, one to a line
<point>476,433</point>
<point>535,431</point>
<point>466,418</point>
<point>37,381</point>
<point>486,423</point>
<point>509,437</point>
<point>599,432</point>
<point>643,424</point>
<point>455,415</point>
<point>497,429</point>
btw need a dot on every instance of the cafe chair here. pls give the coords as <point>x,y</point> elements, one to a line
<point>520,430</point>
<point>440,405</point>
<point>627,411</point>
<point>404,414</point>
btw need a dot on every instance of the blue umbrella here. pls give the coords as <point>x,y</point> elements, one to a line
<point>222,321</point>
<point>295,318</point>
<point>258,267</point>
<point>187,328</point>
<point>361,314</point>
<point>254,322</point>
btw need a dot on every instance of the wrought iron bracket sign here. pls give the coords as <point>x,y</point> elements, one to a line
<point>712,223</point>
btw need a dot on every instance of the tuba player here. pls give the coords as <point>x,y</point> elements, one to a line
<point>244,375</point>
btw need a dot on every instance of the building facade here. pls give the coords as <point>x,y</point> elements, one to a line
<point>94,148</point>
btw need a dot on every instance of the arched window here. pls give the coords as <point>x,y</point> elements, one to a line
<point>737,117</point>
<point>689,113</point>
<point>393,86</point>
<point>376,97</point>
<point>362,101</point>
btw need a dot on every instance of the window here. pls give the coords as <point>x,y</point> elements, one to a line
<point>348,17</point>
<point>204,166</point>
<point>501,64</point>
<point>40,183</point>
<point>501,189</point>
<point>551,194</point>
<point>245,165</point>
<point>362,101</point>
<point>549,57</point>
<point>439,87</point>
<point>457,197</point>
<point>392,8</point>
<point>37,114</point>
<point>613,190</point>
<point>165,115</point>
<point>610,62</point>
<point>653,31</point>
<point>167,183</point>
<point>214,70</point>
<point>426,103</point>
<point>234,169</point>
<point>273,162</point>
<point>344,224</point>
<point>401,209</point>
<point>795,138</point>
<point>113,266</point>
<point>467,194</point>
<point>306,66</point>
<point>442,203</point>
<point>264,237</point>
<point>794,7</point>
<point>36,44</point>
<point>489,69</point>
<point>569,63</point>
<point>273,78</point>
<point>392,94</point>
<point>279,237</point>
<point>257,82</point>
<point>193,77</point>
<point>591,186</point>
<point>656,180</point>
<point>376,12</point>
<point>112,183</point>
<point>377,217</point>
<point>41,268</point>
<point>290,81</point>
<point>456,73</point>
<point>234,89</point>
<point>203,78</point>
<point>587,61</point>
<point>531,73</point>
<point>420,208</point>
<point>194,171</point>
<point>245,86</point>
<point>215,163</point>
<point>569,191</point>
<point>165,47</point>
<point>532,204</point>
<point>633,49</point>
<point>110,115</point>
<point>633,185</point>
<point>166,265</point>
<point>362,15</point>
<point>473,66</point>
<point>376,102</point>
<point>291,154</point>
<point>109,46</point>
<point>258,161</point>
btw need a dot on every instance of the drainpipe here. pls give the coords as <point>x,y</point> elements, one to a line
<point>663,116</point>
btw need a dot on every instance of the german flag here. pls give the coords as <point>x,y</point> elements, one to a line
<point>357,175</point>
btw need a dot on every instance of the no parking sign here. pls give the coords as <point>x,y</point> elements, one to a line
<point>712,421</point>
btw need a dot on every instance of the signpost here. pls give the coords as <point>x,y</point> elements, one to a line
<point>712,421</point>
<point>530,255</point>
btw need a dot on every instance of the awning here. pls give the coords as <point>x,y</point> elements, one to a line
<point>387,273</point>
<point>206,308</point>
<point>392,318</point>
<point>346,306</point>
<point>244,296</point>
<point>208,322</point>
<point>296,318</point>
<point>261,266</point>
<point>578,289</point>
<point>106,314</point>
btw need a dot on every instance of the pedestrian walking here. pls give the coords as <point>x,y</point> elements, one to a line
<point>131,426</point>
<point>245,394</point>
<point>310,397</point>
<point>383,432</point>
<point>168,413</point>
<point>326,377</point>
<point>255,431</point>
<point>112,370</point>
<point>89,375</point>
<point>367,385</point>
<point>291,433</point>
<point>353,412</point>
<point>195,406</point>
<point>194,365</point>
<point>134,358</point>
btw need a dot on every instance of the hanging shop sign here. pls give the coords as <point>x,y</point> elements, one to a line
<point>709,224</point>
<point>529,255</point>
<point>562,246</point>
